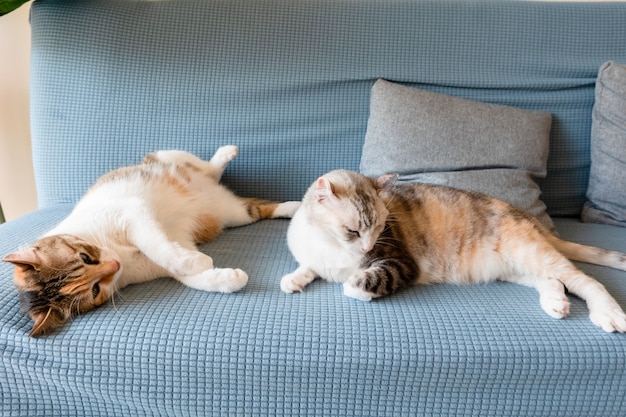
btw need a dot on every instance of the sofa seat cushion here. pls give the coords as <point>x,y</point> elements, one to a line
<point>162,348</point>
<point>606,193</point>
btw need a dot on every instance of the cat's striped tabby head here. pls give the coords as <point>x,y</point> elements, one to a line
<point>348,206</point>
<point>61,276</point>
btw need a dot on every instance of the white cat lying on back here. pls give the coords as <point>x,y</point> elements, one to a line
<point>133,225</point>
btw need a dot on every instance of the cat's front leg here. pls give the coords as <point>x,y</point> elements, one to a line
<point>349,290</point>
<point>183,261</point>
<point>195,270</point>
<point>216,280</point>
<point>355,287</point>
<point>297,280</point>
<point>381,277</point>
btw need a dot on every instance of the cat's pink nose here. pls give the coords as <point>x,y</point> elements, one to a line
<point>115,265</point>
<point>367,247</point>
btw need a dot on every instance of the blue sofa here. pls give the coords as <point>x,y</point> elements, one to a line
<point>289,82</point>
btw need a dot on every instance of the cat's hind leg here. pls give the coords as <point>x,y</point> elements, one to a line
<point>552,297</point>
<point>604,311</point>
<point>551,282</point>
<point>242,211</point>
<point>535,262</point>
<point>262,209</point>
<point>216,166</point>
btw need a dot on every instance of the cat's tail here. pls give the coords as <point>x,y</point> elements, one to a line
<point>589,254</point>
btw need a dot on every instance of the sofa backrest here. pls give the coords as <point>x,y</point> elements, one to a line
<point>289,81</point>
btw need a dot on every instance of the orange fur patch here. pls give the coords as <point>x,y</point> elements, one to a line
<point>103,273</point>
<point>208,228</point>
<point>260,209</point>
<point>175,183</point>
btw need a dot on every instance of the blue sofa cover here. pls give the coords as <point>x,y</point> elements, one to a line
<point>288,81</point>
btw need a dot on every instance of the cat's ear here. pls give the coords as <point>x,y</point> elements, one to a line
<point>46,322</point>
<point>386,180</point>
<point>24,260</point>
<point>324,189</point>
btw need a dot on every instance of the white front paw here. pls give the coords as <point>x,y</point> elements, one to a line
<point>351,291</point>
<point>217,280</point>
<point>230,280</point>
<point>610,319</point>
<point>291,283</point>
<point>296,281</point>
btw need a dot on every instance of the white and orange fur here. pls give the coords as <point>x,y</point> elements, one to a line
<point>377,237</point>
<point>133,225</point>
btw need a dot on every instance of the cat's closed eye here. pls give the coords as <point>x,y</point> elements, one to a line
<point>354,234</point>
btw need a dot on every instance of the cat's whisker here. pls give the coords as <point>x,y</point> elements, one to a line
<point>115,292</point>
<point>387,242</point>
<point>74,307</point>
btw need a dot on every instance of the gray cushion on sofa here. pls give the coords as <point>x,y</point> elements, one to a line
<point>606,192</point>
<point>436,138</point>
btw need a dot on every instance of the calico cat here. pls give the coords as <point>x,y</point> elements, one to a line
<point>377,237</point>
<point>133,225</point>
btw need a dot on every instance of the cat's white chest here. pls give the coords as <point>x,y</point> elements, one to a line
<point>316,250</point>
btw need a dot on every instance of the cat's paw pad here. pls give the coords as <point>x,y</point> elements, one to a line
<point>349,290</point>
<point>611,319</point>
<point>225,154</point>
<point>556,305</point>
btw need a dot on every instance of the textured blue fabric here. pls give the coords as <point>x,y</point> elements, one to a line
<point>288,81</point>
<point>163,349</point>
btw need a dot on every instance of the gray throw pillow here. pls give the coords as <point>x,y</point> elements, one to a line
<point>606,192</point>
<point>441,139</point>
